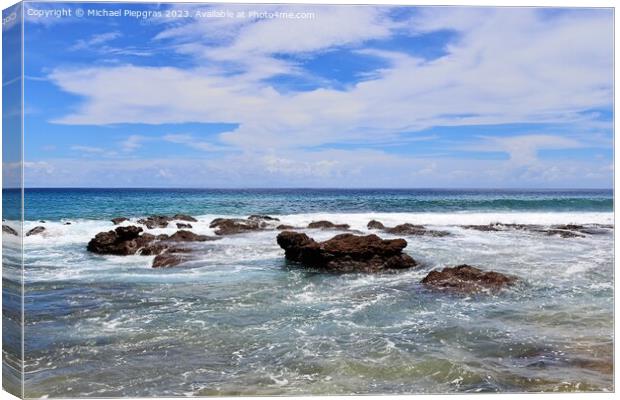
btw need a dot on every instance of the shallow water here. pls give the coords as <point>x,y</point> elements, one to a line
<point>241,320</point>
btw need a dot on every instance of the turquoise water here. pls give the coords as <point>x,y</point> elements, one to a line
<point>239,319</point>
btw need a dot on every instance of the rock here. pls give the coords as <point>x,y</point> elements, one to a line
<point>418,230</point>
<point>187,236</point>
<point>9,230</point>
<point>262,217</point>
<point>119,220</point>
<point>67,223</point>
<point>35,231</point>
<point>346,252</point>
<point>155,221</point>
<point>42,222</point>
<point>327,225</point>
<point>231,226</point>
<point>183,226</point>
<point>374,224</point>
<point>284,227</point>
<point>563,233</point>
<point>467,279</point>
<point>169,259</point>
<point>122,241</point>
<point>183,217</point>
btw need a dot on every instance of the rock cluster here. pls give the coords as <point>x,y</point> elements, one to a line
<point>565,230</point>
<point>346,252</point>
<point>327,225</point>
<point>406,229</point>
<point>232,226</point>
<point>129,240</point>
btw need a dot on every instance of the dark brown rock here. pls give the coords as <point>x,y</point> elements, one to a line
<point>119,220</point>
<point>327,225</point>
<point>184,217</point>
<point>36,231</point>
<point>122,241</point>
<point>262,218</point>
<point>467,279</point>
<point>418,230</point>
<point>346,252</point>
<point>187,236</point>
<point>67,223</point>
<point>284,227</point>
<point>155,221</point>
<point>374,224</point>
<point>183,226</point>
<point>9,230</point>
<point>168,259</point>
<point>231,226</point>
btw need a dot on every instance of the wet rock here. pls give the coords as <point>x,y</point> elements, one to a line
<point>119,220</point>
<point>284,227</point>
<point>467,279</point>
<point>496,227</point>
<point>67,223</point>
<point>35,231</point>
<point>155,221</point>
<point>183,226</point>
<point>231,226</point>
<point>184,217</point>
<point>346,252</point>
<point>563,233</point>
<point>42,222</point>
<point>170,259</point>
<point>187,236</point>
<point>418,230</point>
<point>262,218</point>
<point>374,224</point>
<point>123,241</point>
<point>9,230</point>
<point>327,225</point>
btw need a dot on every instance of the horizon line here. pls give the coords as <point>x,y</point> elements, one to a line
<point>307,188</point>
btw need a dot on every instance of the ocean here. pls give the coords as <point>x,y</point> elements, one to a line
<point>241,320</point>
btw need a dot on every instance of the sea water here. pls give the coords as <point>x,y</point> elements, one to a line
<point>239,319</point>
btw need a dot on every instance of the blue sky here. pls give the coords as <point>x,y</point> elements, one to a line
<point>354,97</point>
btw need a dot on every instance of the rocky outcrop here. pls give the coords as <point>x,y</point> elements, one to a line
<point>417,230</point>
<point>129,240</point>
<point>184,217</point>
<point>564,230</point>
<point>36,231</point>
<point>155,221</point>
<point>374,224</point>
<point>327,225</point>
<point>284,227</point>
<point>123,241</point>
<point>346,252</point>
<point>9,230</point>
<point>467,279</point>
<point>181,225</point>
<point>232,226</point>
<point>119,220</point>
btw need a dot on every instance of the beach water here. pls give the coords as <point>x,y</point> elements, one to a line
<point>239,319</point>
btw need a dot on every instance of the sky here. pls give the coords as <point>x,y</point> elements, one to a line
<point>346,96</point>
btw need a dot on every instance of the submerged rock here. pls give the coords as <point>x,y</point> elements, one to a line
<point>187,236</point>
<point>184,217</point>
<point>418,230</point>
<point>284,227</point>
<point>170,259</point>
<point>374,224</point>
<point>9,230</point>
<point>155,221</point>
<point>231,226</point>
<point>467,279</point>
<point>327,225</point>
<point>346,252</point>
<point>119,220</point>
<point>183,226</point>
<point>36,231</point>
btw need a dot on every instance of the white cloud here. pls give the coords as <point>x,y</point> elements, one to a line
<point>132,143</point>
<point>190,141</point>
<point>95,40</point>
<point>509,66</point>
